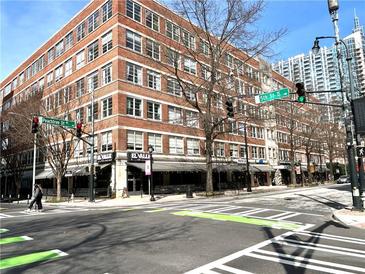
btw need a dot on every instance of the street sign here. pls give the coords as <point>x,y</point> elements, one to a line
<point>360,151</point>
<point>277,94</point>
<point>57,122</point>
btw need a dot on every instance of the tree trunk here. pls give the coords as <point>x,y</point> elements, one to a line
<point>310,177</point>
<point>293,180</point>
<point>209,182</point>
<point>59,181</point>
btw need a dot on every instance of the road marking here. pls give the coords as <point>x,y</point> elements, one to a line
<point>2,215</point>
<point>355,241</point>
<point>3,230</point>
<point>245,212</point>
<point>276,254</point>
<point>240,219</point>
<point>255,212</point>
<point>288,216</point>
<point>334,236</point>
<point>232,269</point>
<point>156,210</point>
<point>31,258</point>
<point>17,239</point>
<point>280,215</point>
<point>228,208</point>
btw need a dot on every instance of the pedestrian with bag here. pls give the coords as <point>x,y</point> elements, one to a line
<point>37,198</point>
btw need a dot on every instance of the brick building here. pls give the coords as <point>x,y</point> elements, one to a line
<point>114,51</point>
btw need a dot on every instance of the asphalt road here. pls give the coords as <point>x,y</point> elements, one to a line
<point>287,232</point>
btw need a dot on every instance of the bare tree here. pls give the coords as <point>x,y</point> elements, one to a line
<point>227,42</point>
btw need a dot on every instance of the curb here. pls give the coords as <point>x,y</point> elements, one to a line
<point>338,220</point>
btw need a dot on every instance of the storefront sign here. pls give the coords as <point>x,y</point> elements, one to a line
<point>137,156</point>
<point>147,167</point>
<point>105,158</point>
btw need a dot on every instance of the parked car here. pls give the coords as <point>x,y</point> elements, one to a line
<point>343,179</point>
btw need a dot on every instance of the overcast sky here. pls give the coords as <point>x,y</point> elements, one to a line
<point>26,24</point>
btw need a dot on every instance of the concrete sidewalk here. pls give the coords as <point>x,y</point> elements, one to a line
<point>349,217</point>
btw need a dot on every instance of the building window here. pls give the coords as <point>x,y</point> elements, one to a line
<point>254,152</point>
<point>80,87</point>
<point>261,153</point>
<point>79,150</point>
<point>80,59</point>
<point>133,41</point>
<point>172,31</point>
<point>107,107</point>
<point>96,112</point>
<point>204,47</point>
<point>133,10</point>
<point>233,150</point>
<point>173,87</point>
<point>69,39</point>
<point>153,49</point>
<point>106,42</point>
<point>134,140</point>
<point>59,48</point>
<point>107,74</point>
<point>175,115</point>
<point>173,58</point>
<point>88,147</point>
<point>134,107</point>
<point>106,141</point>
<point>188,40</point>
<point>92,81</point>
<point>154,80</point>
<point>176,145</point>
<point>93,51</point>
<point>192,119</point>
<point>50,79</point>
<point>80,115</point>
<point>152,20</point>
<point>154,111</point>
<point>21,78</point>
<point>66,94</point>
<point>107,10</point>
<point>51,55</point>
<point>242,151</point>
<point>134,74</point>
<point>58,73</point>
<point>68,67</point>
<point>189,65</point>
<point>57,99</point>
<point>155,140</point>
<point>93,21</point>
<point>193,146</point>
<point>80,31</point>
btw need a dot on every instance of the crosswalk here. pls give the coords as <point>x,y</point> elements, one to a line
<point>295,252</point>
<point>47,211</point>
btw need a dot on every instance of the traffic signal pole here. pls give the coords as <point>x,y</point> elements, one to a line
<point>34,162</point>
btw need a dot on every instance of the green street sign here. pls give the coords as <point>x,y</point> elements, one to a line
<point>57,122</point>
<point>277,94</point>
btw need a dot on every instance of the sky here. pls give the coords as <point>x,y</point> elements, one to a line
<point>25,25</point>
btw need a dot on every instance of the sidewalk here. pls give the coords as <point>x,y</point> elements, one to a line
<point>349,217</point>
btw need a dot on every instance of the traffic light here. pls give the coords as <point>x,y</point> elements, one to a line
<point>229,108</point>
<point>78,130</point>
<point>301,92</point>
<point>35,124</point>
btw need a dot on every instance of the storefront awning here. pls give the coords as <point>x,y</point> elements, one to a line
<point>174,166</point>
<point>76,171</point>
<point>262,168</point>
<point>44,174</point>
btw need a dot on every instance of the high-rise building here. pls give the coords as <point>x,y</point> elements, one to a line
<point>320,72</point>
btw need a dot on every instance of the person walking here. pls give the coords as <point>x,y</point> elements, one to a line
<point>37,198</point>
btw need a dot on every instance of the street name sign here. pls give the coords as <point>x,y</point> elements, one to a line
<point>57,122</point>
<point>360,151</point>
<point>277,94</point>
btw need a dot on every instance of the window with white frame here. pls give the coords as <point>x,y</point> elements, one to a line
<point>254,152</point>
<point>154,111</point>
<point>134,73</point>
<point>155,140</point>
<point>93,51</point>
<point>51,55</point>
<point>205,72</point>
<point>7,89</point>
<point>133,10</point>
<point>190,92</point>
<point>79,150</point>
<point>88,147</point>
<point>107,105</point>
<point>172,31</point>
<point>58,73</point>
<point>106,141</point>
<point>175,115</point>
<point>50,79</point>
<point>173,87</point>
<point>154,79</point>
<point>68,67</point>
<point>204,47</point>
<point>189,65</point>
<point>95,110</point>
<point>57,99</point>
<point>176,145</point>
<point>260,133</point>
<point>253,132</point>
<point>134,107</point>
<point>152,20</point>
<point>233,150</point>
<point>241,128</point>
<point>107,11</point>
<point>240,87</point>
<point>134,140</point>
<point>80,59</point>
<point>69,39</point>
<point>92,81</point>
<point>66,94</point>
<point>242,151</point>
<point>261,153</point>
<point>173,58</point>
<point>59,48</point>
<point>232,127</point>
<point>93,21</point>
<point>14,83</point>
<point>80,87</point>
<point>153,49</point>
<point>106,42</point>
<point>193,146</point>
<point>41,84</point>
<point>192,118</point>
<point>229,60</point>
<point>106,74</point>
<point>21,78</point>
<point>80,31</point>
<point>79,113</point>
<point>188,39</point>
<point>133,41</point>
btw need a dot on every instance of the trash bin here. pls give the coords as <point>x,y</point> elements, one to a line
<point>189,192</point>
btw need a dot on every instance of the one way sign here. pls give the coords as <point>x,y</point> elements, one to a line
<point>360,151</point>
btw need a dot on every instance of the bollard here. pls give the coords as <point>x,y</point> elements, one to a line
<point>2,196</point>
<point>189,193</point>
<point>9,198</point>
<point>28,199</point>
<point>72,197</point>
<point>18,198</point>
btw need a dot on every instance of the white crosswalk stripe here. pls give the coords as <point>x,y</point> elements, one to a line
<point>22,213</point>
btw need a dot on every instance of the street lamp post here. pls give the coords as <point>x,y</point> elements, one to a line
<point>248,175</point>
<point>150,151</point>
<point>91,176</point>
